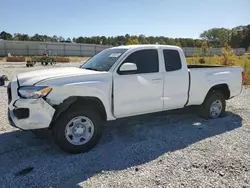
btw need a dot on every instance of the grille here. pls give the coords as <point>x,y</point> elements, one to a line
<point>9,93</point>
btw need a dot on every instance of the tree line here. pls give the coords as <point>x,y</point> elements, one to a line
<point>237,37</point>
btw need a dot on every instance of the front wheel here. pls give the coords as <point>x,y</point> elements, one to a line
<point>213,106</point>
<point>77,130</point>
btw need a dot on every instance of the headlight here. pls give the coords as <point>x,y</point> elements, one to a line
<point>34,92</point>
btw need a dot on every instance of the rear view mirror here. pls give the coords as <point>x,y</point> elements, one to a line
<point>128,67</point>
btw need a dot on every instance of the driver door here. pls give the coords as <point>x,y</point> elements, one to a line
<point>140,91</point>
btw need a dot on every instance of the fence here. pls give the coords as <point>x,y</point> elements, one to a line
<point>28,48</point>
<point>190,51</point>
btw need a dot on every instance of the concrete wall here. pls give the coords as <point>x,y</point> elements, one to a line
<point>27,48</point>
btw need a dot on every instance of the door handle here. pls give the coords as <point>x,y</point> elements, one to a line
<point>156,79</point>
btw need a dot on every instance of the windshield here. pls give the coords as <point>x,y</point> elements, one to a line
<point>104,60</point>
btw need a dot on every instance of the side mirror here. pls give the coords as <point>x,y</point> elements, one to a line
<point>128,67</point>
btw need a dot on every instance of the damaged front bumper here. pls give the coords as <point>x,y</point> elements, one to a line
<point>28,114</point>
<point>31,114</point>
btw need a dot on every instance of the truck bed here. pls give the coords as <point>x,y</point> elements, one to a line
<point>204,66</point>
<point>204,77</point>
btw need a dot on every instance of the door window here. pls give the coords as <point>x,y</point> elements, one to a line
<point>147,61</point>
<point>172,60</point>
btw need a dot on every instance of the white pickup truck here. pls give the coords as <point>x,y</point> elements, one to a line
<point>116,83</point>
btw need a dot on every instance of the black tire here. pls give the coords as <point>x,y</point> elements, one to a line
<point>204,109</point>
<point>27,65</point>
<point>58,129</point>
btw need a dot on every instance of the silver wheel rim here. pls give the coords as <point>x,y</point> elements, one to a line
<point>215,109</point>
<point>79,130</point>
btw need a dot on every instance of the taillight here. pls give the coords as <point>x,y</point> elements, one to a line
<point>243,75</point>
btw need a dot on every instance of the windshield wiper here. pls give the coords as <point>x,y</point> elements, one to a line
<point>91,69</point>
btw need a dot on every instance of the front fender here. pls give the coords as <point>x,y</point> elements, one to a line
<point>60,94</point>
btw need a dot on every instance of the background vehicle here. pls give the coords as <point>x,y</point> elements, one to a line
<point>45,60</point>
<point>116,83</point>
<point>30,63</point>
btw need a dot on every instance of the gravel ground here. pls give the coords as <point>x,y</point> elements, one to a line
<point>163,150</point>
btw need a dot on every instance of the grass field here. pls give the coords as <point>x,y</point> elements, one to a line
<point>78,59</point>
<point>242,61</point>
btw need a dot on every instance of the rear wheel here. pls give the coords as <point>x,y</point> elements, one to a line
<point>213,106</point>
<point>78,129</point>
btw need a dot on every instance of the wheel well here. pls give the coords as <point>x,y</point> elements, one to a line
<point>94,102</point>
<point>223,88</point>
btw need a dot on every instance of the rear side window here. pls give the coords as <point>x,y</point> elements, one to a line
<point>146,61</point>
<point>172,60</point>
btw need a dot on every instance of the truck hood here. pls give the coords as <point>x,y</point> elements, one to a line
<point>33,77</point>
